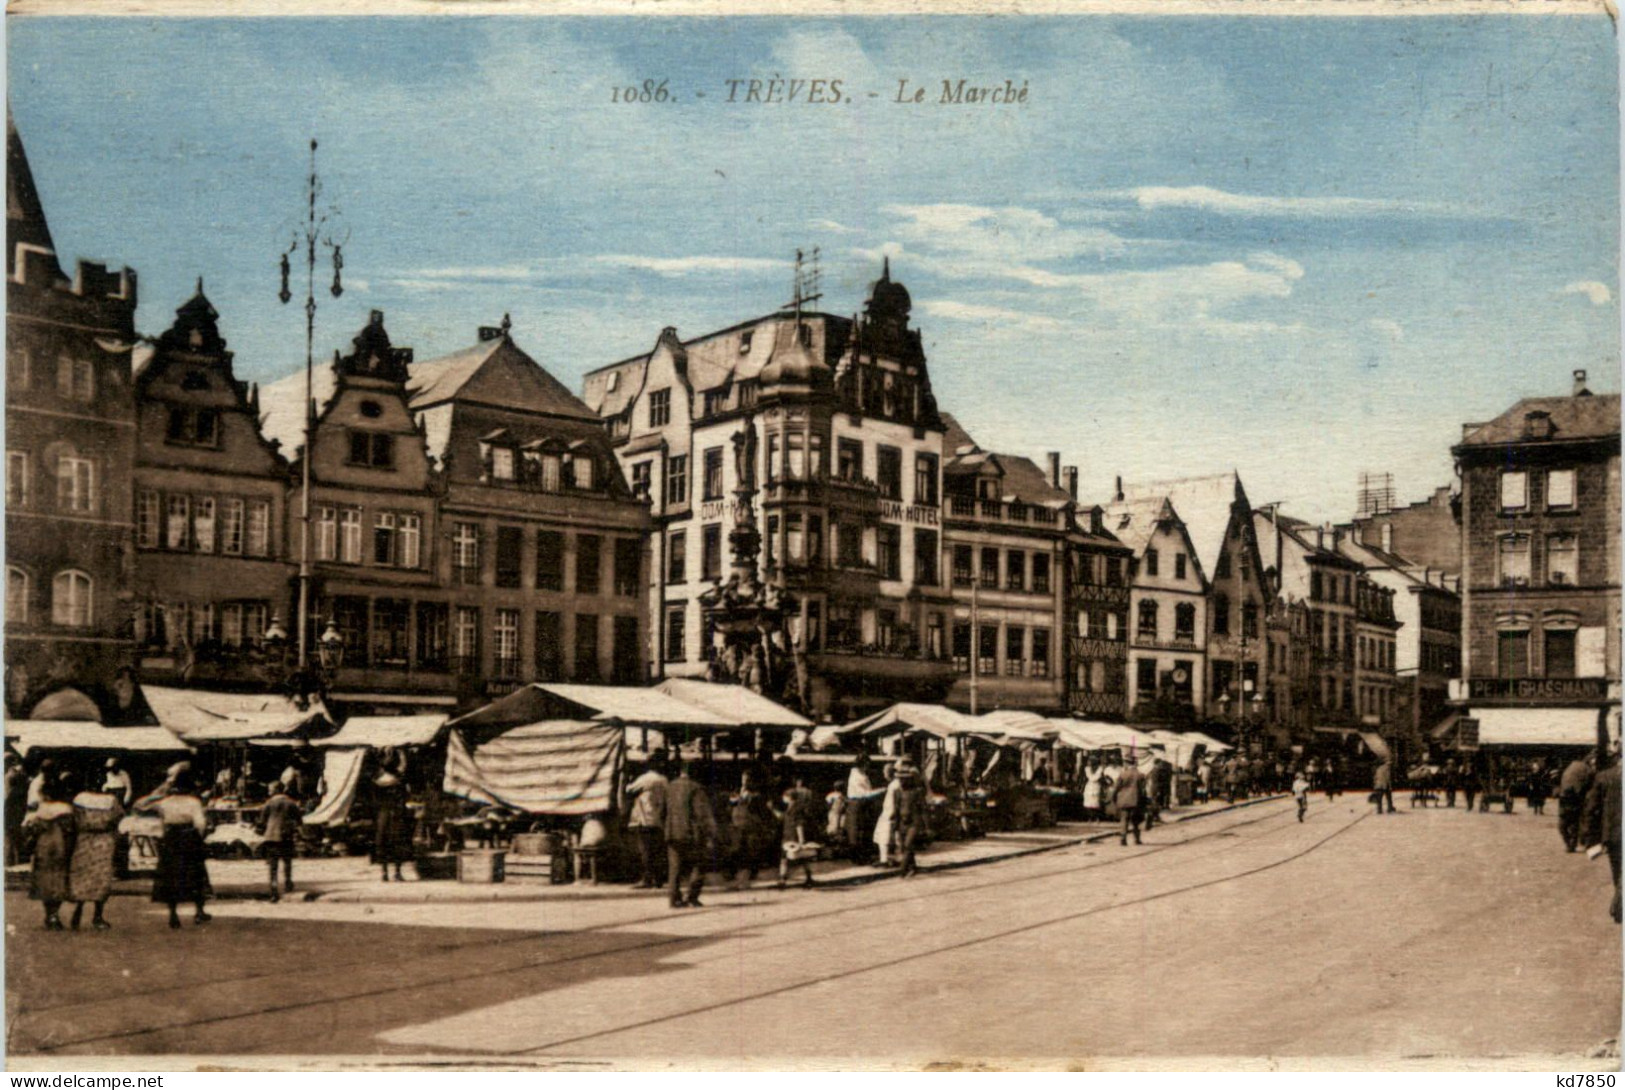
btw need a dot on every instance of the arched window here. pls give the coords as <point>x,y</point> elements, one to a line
<point>1148,620</point>
<point>70,599</point>
<point>18,586</point>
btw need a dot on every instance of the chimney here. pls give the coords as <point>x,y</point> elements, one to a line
<point>1580,383</point>
<point>1055,469</point>
<point>1387,537</point>
<point>1097,520</point>
<point>1357,534</point>
<point>1119,489</point>
<point>1070,473</point>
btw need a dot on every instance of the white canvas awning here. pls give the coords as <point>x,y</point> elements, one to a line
<point>379,731</point>
<point>929,719</point>
<point>732,702</point>
<point>198,715</point>
<point>539,702</point>
<point>1536,726</point>
<point>29,734</point>
<point>341,772</point>
<point>1018,726</point>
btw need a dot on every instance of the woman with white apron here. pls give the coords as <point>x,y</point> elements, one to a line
<point>888,817</point>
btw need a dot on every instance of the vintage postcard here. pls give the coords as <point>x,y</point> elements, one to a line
<point>742,537</point>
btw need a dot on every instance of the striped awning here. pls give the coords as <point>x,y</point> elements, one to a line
<point>563,767</point>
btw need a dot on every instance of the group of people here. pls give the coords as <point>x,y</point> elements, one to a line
<point>1113,788</point>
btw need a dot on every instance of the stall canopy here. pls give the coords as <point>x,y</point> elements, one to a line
<point>197,715</point>
<point>562,767</point>
<point>1018,726</point>
<point>1089,734</point>
<point>30,734</point>
<point>539,702</point>
<point>1536,726</point>
<point>381,731</point>
<point>733,703</point>
<point>929,719</point>
<point>341,772</point>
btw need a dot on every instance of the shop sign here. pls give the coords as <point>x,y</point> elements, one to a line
<point>1513,690</point>
<point>894,511</point>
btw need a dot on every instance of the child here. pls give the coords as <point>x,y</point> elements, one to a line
<point>800,820</point>
<point>1300,791</point>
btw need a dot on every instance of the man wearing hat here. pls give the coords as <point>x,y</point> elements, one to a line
<point>279,821</point>
<point>1129,793</point>
<point>908,819</point>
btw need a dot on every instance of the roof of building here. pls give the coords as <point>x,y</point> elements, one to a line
<point>528,386</point>
<point>1135,522</point>
<point>1021,479</point>
<point>1586,416</point>
<point>282,416</point>
<point>1203,504</point>
<point>25,215</point>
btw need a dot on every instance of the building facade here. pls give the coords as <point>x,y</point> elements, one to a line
<point>828,428</point>
<point>1540,566</point>
<point>1098,604</point>
<point>1426,533</point>
<point>70,452</point>
<point>1167,657</point>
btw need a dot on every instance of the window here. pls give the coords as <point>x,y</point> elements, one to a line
<point>231,624</point>
<point>889,548</point>
<point>19,368</point>
<point>1015,570</point>
<point>1512,654</point>
<point>465,552</point>
<point>794,544</point>
<point>815,456</point>
<point>588,574</point>
<point>642,475</point>
<point>1560,488</point>
<point>391,624</point>
<point>659,408</point>
<point>372,449</point>
<point>987,649</point>
<point>990,569</point>
<point>774,469</point>
<point>1148,620</point>
<point>1145,677</point>
<point>1040,660</point>
<point>350,535</point>
<point>1514,491</point>
<point>1114,571</point>
<point>1015,650</point>
<point>76,379</point>
<point>1179,565</point>
<point>549,560</point>
<point>1514,555</point>
<point>770,542</point>
<point>1184,621</point>
<point>677,479</point>
<point>813,633</point>
<point>75,484</point>
<point>587,647</point>
<point>327,532</point>
<point>1221,615</point>
<point>231,526</point>
<point>506,633</point>
<point>18,472</point>
<point>1562,559</point>
<point>925,557</point>
<point>1040,573</point>
<point>409,541</point>
<point>628,558</point>
<point>1560,652</point>
<point>711,552</point>
<point>194,427</point>
<point>179,525</point>
<point>17,591</point>
<point>889,472</point>
<point>581,475</point>
<point>713,473</point>
<point>433,638</point>
<point>849,459</point>
<point>845,631</point>
<point>886,629</point>
<point>1314,586</point>
<point>677,556</point>
<point>203,524</point>
<point>70,599</point>
<point>748,391</point>
<point>148,517</point>
<point>676,631</point>
<point>259,528</point>
<point>933,637</point>
<point>925,479</point>
<point>510,558</point>
<point>465,645</point>
<point>963,556</point>
<point>502,463</point>
<point>625,653</point>
<point>1249,620</point>
<point>848,545</point>
<point>795,456</point>
<point>549,646</point>
<point>815,540</point>
<point>383,538</point>
<point>962,648</point>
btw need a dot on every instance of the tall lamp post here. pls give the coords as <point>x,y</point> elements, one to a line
<point>317,231</point>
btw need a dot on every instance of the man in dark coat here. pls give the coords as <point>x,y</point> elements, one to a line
<point>1129,793</point>
<point>1571,795</point>
<point>1382,786</point>
<point>690,831</point>
<point>1602,819</point>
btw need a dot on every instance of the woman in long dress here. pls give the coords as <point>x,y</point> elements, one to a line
<point>90,874</point>
<point>392,840</point>
<point>1094,801</point>
<point>183,872</point>
<point>52,826</point>
<point>888,817</point>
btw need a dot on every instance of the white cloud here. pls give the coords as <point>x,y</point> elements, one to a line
<point>1207,199</point>
<point>1594,290</point>
<point>1009,234</point>
<point>990,316</point>
<point>682,266</point>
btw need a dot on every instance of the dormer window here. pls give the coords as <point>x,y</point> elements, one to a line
<point>744,342</point>
<point>1537,425</point>
<point>614,382</point>
<point>502,463</point>
<point>193,427</point>
<point>747,393</point>
<point>372,449</point>
<point>581,471</point>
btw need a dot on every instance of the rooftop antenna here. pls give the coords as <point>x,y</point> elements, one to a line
<point>1376,494</point>
<point>806,288</point>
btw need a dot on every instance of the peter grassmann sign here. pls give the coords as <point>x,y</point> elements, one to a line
<point>1512,690</point>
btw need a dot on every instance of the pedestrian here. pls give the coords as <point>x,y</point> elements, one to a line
<point>909,815</point>
<point>52,826</point>
<point>1571,793</point>
<point>834,813</point>
<point>1156,795</point>
<point>1128,795</point>
<point>1094,801</point>
<point>392,833</point>
<point>183,873</point>
<point>1538,788</point>
<point>691,829</point>
<point>1333,786</point>
<point>279,821</point>
<point>1452,781</point>
<point>750,821</point>
<point>36,786</point>
<point>1204,780</point>
<point>1602,824</point>
<point>859,788</point>
<point>800,824</point>
<point>648,821</point>
<point>888,818</point>
<point>1382,785</point>
<point>95,843</point>
<point>117,781</point>
<point>16,803</point>
<point>1469,783</point>
<point>1300,791</point>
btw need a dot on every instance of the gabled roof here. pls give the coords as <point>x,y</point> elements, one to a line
<point>1589,416</point>
<point>1135,522</point>
<point>1021,480</point>
<point>524,385</point>
<point>282,413</point>
<point>1203,504</point>
<point>25,215</point>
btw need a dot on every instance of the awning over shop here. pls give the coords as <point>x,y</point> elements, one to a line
<point>379,731</point>
<point>341,772</point>
<point>564,767</point>
<point>31,734</point>
<point>733,703</point>
<point>197,715</point>
<point>1536,726</point>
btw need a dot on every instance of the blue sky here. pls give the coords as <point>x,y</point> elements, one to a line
<point>1295,247</point>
